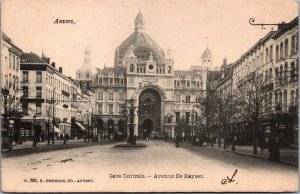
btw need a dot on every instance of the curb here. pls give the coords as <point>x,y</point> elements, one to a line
<point>24,151</point>
<point>250,155</point>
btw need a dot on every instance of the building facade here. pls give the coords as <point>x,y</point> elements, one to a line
<point>46,99</point>
<point>274,61</point>
<point>162,96</point>
<point>10,84</point>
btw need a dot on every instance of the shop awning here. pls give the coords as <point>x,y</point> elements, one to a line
<point>56,130</point>
<point>80,126</point>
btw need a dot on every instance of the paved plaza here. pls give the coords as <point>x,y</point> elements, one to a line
<point>158,167</point>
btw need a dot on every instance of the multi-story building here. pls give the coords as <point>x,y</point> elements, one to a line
<point>274,61</point>
<point>46,97</point>
<point>145,73</point>
<point>10,83</point>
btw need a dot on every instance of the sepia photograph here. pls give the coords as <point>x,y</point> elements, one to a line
<point>149,96</point>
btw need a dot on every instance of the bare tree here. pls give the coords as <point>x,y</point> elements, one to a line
<point>210,113</point>
<point>10,101</point>
<point>253,99</point>
<point>227,108</point>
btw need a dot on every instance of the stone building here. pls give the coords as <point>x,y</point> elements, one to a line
<point>10,83</point>
<point>162,96</point>
<point>274,61</point>
<point>46,96</point>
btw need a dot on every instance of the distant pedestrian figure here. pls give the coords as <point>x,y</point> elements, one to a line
<point>274,148</point>
<point>277,149</point>
<point>166,137</point>
<point>177,145</point>
<point>67,137</point>
<point>134,139</point>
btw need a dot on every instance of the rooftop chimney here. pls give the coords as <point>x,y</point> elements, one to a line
<point>48,60</point>
<point>225,61</point>
<point>60,70</point>
<point>53,64</point>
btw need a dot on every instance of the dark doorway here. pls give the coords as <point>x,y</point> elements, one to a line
<point>147,128</point>
<point>122,127</point>
<point>110,130</point>
<point>100,128</point>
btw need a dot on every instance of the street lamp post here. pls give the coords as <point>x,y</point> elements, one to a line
<point>192,129</point>
<point>48,131</point>
<point>65,136</point>
<point>131,126</point>
<point>53,111</point>
<point>34,132</point>
<point>219,135</point>
<point>233,133</point>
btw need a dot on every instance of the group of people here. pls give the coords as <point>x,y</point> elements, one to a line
<point>61,137</point>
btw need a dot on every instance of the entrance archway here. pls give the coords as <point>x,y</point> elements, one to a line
<point>147,128</point>
<point>149,112</point>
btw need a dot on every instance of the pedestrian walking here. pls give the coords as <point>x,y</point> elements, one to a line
<point>277,149</point>
<point>274,148</point>
<point>67,137</point>
<point>166,137</point>
<point>177,145</point>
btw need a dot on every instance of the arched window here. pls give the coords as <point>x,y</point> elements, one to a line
<point>276,99</point>
<point>286,47</point>
<point>293,44</point>
<point>267,55</point>
<point>284,105</point>
<point>277,53</point>
<point>131,67</point>
<point>280,99</point>
<point>285,75</point>
<point>169,69</point>
<point>280,74</point>
<point>270,101</point>
<point>292,99</point>
<point>281,50</point>
<point>270,74</point>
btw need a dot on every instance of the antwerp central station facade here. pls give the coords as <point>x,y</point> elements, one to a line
<point>163,97</point>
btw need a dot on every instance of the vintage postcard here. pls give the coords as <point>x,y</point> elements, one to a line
<point>149,96</point>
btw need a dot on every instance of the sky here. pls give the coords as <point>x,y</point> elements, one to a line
<point>187,27</point>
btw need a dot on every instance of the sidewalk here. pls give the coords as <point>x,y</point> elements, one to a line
<point>28,144</point>
<point>27,148</point>
<point>288,156</point>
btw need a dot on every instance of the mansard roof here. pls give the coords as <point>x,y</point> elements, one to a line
<point>17,50</point>
<point>185,73</point>
<point>116,70</point>
<point>285,27</point>
<point>32,58</point>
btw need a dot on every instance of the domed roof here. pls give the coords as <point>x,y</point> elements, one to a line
<point>207,54</point>
<point>139,39</point>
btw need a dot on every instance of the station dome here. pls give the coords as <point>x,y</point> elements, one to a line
<point>139,38</point>
<point>207,54</point>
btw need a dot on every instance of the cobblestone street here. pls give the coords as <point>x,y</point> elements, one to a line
<point>153,168</point>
